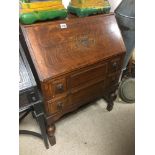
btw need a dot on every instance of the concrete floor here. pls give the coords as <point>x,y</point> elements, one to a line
<point>91,130</point>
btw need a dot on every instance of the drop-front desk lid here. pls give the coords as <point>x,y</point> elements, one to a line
<point>57,47</point>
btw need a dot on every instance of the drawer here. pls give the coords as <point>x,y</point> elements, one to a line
<point>89,76</point>
<point>115,64</point>
<point>113,79</point>
<point>88,94</point>
<point>54,88</point>
<point>57,105</point>
<point>59,86</point>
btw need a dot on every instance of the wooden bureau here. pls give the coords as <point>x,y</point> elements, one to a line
<point>77,60</point>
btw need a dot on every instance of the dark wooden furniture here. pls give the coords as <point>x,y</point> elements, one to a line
<point>30,99</point>
<point>76,61</point>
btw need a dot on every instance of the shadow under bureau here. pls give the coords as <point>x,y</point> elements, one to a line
<point>76,61</point>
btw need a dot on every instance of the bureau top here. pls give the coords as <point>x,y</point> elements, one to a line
<point>58,47</point>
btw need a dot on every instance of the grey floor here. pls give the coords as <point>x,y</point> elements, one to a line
<point>91,130</point>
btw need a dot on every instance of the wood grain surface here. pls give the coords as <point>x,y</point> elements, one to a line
<point>56,51</point>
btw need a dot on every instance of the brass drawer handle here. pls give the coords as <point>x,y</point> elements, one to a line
<point>60,87</point>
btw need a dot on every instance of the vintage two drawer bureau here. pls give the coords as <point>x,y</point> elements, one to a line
<point>76,61</point>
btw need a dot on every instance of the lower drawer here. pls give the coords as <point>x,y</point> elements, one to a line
<point>56,106</point>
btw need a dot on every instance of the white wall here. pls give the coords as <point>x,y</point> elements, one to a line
<point>65,2</point>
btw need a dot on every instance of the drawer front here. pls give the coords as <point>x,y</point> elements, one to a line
<point>89,76</point>
<point>57,105</point>
<point>54,88</point>
<point>88,94</point>
<point>115,64</point>
<point>60,87</point>
<point>113,79</point>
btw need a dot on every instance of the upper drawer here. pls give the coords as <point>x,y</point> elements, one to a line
<point>59,87</point>
<point>115,64</point>
<point>54,88</point>
<point>88,94</point>
<point>88,76</point>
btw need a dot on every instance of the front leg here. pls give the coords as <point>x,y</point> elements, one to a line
<point>50,126</point>
<point>110,97</point>
<point>51,136</point>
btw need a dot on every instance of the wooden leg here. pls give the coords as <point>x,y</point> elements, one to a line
<point>50,132</point>
<point>110,97</point>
